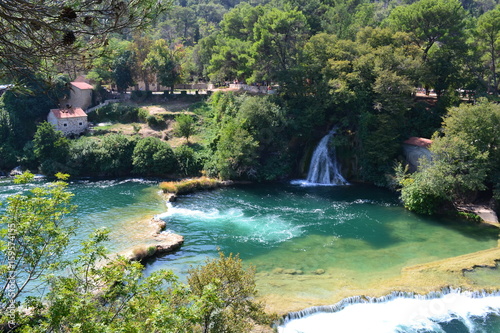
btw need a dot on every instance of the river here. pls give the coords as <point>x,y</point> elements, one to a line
<point>311,245</point>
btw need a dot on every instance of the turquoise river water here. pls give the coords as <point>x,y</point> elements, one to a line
<point>310,245</point>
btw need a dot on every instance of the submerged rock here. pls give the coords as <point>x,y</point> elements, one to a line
<point>290,271</point>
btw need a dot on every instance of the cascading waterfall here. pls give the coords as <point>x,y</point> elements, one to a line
<point>401,312</point>
<point>324,168</point>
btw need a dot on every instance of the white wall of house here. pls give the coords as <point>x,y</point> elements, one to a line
<point>80,98</point>
<point>74,125</point>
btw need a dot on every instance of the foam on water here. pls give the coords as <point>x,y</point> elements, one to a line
<point>398,312</point>
<point>305,183</point>
<point>262,228</point>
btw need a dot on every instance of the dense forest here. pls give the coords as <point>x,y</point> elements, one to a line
<point>353,65</point>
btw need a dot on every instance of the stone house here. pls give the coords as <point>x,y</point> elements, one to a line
<point>80,95</point>
<point>414,149</point>
<point>70,121</point>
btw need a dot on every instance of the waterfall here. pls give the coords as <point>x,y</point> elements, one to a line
<point>324,168</point>
<point>401,312</point>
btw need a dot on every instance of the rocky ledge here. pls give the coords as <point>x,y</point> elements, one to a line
<point>160,243</point>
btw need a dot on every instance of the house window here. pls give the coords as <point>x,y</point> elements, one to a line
<point>65,124</point>
<point>80,124</point>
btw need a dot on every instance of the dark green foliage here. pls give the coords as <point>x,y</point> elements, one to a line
<point>115,155</point>
<point>8,156</point>
<point>247,136</point>
<point>50,148</point>
<point>155,121</point>
<point>84,157</point>
<point>122,70</point>
<point>116,112</point>
<point>188,162</point>
<point>153,157</point>
<point>21,109</point>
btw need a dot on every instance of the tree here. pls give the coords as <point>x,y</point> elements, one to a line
<point>153,157</point>
<point>50,147</point>
<point>34,32</point>
<point>184,126</point>
<point>187,161</point>
<point>430,21</point>
<point>279,40</point>
<point>114,155</point>
<point>236,152</point>
<point>27,105</point>
<point>234,308</point>
<point>141,69</point>
<point>488,31</point>
<point>34,233</point>
<point>165,63</point>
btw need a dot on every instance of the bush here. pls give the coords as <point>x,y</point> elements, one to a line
<point>184,126</point>
<point>187,161</point>
<point>155,121</point>
<point>142,115</point>
<point>236,309</point>
<point>114,155</point>
<point>153,157</point>
<point>115,112</point>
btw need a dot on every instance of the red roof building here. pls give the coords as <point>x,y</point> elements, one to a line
<point>420,142</point>
<point>70,121</point>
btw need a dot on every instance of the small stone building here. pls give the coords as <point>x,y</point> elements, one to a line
<point>416,148</point>
<point>80,95</point>
<point>70,121</point>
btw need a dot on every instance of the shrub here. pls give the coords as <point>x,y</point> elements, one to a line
<point>236,309</point>
<point>153,157</point>
<point>115,112</point>
<point>187,161</point>
<point>114,155</point>
<point>155,121</point>
<point>142,115</point>
<point>190,185</point>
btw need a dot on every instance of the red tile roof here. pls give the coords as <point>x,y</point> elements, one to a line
<point>82,85</point>
<point>68,113</point>
<point>421,142</point>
